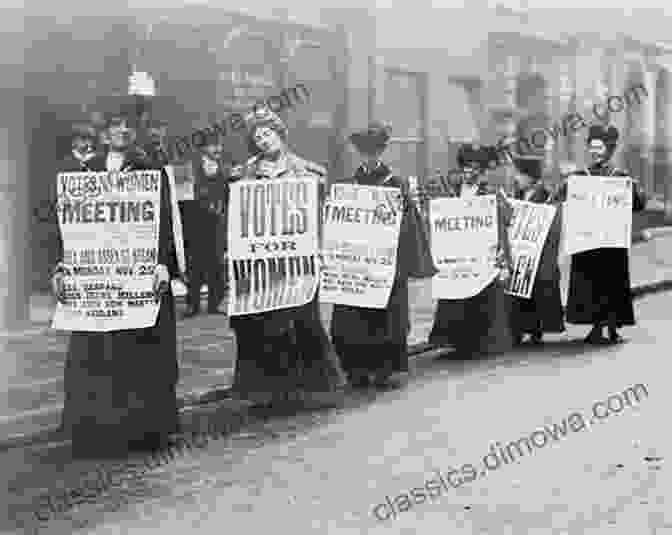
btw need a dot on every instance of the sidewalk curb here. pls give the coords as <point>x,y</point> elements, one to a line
<point>219,394</point>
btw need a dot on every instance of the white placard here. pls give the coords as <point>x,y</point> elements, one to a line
<point>273,244</point>
<point>110,228</point>
<point>361,236</point>
<point>464,240</point>
<point>597,213</point>
<point>528,231</point>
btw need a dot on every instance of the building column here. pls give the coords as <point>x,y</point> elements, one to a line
<point>663,98</point>
<point>648,127</point>
<point>638,142</point>
<point>357,29</point>
<point>502,96</point>
<point>14,202</point>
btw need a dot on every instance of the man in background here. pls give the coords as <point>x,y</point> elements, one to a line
<point>205,226</point>
<point>156,145</point>
<point>82,146</point>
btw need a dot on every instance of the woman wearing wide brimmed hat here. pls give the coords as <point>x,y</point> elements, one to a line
<point>372,343</point>
<point>283,355</point>
<point>599,287</point>
<point>479,324</point>
<point>120,386</point>
<point>542,312</point>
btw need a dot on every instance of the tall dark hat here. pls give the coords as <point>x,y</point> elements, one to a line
<point>372,139</point>
<point>477,156</point>
<point>608,135</point>
<point>157,123</point>
<point>264,116</point>
<point>117,117</point>
<point>82,131</point>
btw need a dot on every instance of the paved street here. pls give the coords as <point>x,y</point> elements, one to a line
<point>207,353</point>
<point>325,472</point>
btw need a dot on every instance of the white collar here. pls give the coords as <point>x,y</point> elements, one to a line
<point>368,169</point>
<point>115,161</point>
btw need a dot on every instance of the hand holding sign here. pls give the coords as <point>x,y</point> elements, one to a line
<point>161,281</point>
<point>57,287</point>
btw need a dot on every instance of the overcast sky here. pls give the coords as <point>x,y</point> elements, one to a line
<point>522,4</point>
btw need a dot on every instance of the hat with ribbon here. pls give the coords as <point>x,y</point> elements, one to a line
<point>478,156</point>
<point>372,139</point>
<point>264,116</point>
<point>607,134</point>
<point>82,131</point>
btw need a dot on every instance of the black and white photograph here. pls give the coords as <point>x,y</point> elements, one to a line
<point>325,267</point>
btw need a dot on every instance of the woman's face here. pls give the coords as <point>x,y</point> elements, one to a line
<point>214,151</point>
<point>268,140</point>
<point>525,180</point>
<point>369,158</point>
<point>120,135</point>
<point>470,173</point>
<point>82,145</point>
<point>597,151</point>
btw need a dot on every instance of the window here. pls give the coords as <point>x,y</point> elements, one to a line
<point>403,109</point>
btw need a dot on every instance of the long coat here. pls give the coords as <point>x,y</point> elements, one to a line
<point>212,196</point>
<point>284,354</point>
<point>120,386</point>
<point>542,312</point>
<point>599,284</point>
<point>479,324</point>
<point>375,340</point>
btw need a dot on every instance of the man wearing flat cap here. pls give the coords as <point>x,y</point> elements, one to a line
<point>82,145</point>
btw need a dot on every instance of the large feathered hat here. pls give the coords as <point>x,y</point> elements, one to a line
<point>477,156</point>
<point>258,118</point>
<point>264,116</point>
<point>606,134</point>
<point>372,139</point>
<point>82,131</point>
<point>532,167</point>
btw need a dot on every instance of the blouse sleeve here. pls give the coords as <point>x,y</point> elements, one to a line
<point>504,216</point>
<point>638,194</point>
<point>415,257</point>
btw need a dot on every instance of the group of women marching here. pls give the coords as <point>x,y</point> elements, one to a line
<point>286,355</point>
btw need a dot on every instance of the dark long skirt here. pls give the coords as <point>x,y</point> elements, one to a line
<point>284,355</point>
<point>542,312</point>
<point>599,288</point>
<point>120,387</point>
<point>373,340</point>
<point>479,324</point>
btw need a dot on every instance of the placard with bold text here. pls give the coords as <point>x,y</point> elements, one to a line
<point>109,224</point>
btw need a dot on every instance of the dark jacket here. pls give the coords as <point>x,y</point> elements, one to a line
<point>376,339</point>
<point>110,405</point>
<point>212,192</point>
<point>536,192</point>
